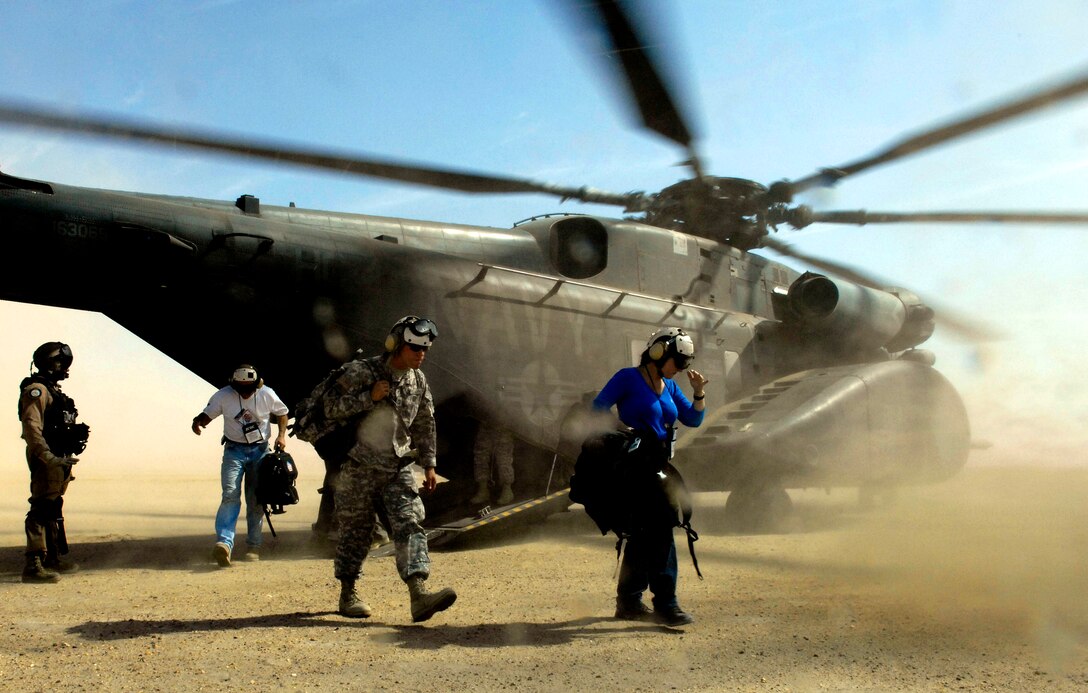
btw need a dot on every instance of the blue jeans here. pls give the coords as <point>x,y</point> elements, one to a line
<point>240,462</point>
<point>649,561</point>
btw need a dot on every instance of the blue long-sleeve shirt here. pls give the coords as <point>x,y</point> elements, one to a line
<point>643,409</point>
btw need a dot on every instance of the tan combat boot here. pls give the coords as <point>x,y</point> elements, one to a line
<point>506,495</point>
<point>350,604</point>
<point>426,604</point>
<point>35,572</point>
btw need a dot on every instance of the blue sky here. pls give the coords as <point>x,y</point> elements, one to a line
<point>776,89</point>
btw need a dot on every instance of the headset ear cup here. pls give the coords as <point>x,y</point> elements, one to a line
<point>390,343</point>
<point>657,350</point>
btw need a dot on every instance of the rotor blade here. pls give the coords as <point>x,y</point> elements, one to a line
<point>643,80</point>
<point>463,181</point>
<point>965,328</point>
<point>861,217</point>
<point>835,268</point>
<point>1034,101</point>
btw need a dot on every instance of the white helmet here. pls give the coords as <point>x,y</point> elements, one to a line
<point>670,342</point>
<point>414,330</point>
<point>244,374</point>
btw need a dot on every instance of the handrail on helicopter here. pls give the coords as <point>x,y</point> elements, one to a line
<point>555,285</point>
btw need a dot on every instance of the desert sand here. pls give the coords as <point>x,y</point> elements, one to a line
<point>975,584</point>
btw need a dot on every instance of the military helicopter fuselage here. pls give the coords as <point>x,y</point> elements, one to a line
<point>814,381</point>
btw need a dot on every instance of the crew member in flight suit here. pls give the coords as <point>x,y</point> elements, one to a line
<point>53,438</point>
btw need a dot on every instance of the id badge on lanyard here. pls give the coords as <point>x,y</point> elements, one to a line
<point>251,428</point>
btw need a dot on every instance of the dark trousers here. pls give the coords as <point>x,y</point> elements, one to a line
<point>649,559</point>
<point>649,562</point>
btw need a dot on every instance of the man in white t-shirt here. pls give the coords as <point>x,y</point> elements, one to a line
<point>248,407</point>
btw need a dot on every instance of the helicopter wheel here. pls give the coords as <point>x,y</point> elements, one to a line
<point>758,508</point>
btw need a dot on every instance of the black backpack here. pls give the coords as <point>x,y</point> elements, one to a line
<point>331,439</point>
<point>276,474</point>
<point>621,493</point>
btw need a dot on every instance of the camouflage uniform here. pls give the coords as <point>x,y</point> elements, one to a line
<point>493,443</point>
<point>377,468</point>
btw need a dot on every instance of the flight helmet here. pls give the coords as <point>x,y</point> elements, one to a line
<point>54,358</point>
<point>412,330</point>
<point>670,342</point>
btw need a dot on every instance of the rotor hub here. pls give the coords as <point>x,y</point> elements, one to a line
<point>719,208</point>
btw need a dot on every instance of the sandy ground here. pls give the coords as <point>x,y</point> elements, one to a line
<point>976,584</point>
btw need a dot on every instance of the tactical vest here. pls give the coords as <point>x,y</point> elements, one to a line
<point>60,430</point>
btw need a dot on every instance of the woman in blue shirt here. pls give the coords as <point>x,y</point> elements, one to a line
<point>650,402</point>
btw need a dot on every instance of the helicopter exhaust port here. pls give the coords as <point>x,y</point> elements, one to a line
<point>858,316</point>
<point>579,247</point>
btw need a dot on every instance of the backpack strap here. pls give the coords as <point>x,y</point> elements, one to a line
<point>268,519</point>
<point>683,500</point>
<point>693,537</point>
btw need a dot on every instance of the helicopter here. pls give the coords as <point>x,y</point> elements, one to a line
<point>555,302</point>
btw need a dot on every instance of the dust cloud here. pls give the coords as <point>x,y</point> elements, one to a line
<point>976,582</point>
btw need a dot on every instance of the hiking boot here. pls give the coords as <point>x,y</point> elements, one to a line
<point>350,604</point>
<point>633,610</point>
<point>426,604</point>
<point>506,496</point>
<point>60,565</point>
<point>252,555</point>
<point>482,495</point>
<point>673,616</point>
<point>221,554</point>
<point>36,572</point>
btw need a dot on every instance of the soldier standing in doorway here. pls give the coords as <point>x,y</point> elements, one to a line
<point>493,455</point>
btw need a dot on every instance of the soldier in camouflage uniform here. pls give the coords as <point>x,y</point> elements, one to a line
<point>397,428</point>
<point>493,452</point>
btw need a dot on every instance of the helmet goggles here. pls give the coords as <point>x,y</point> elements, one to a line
<point>682,350</point>
<point>244,374</point>
<point>53,357</point>
<point>63,356</point>
<point>671,343</point>
<point>420,333</point>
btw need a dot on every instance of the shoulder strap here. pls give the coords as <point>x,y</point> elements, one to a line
<point>683,498</point>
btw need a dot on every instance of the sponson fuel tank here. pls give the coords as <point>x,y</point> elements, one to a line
<point>880,423</point>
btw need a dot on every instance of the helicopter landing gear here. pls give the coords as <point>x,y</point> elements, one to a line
<point>758,508</point>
